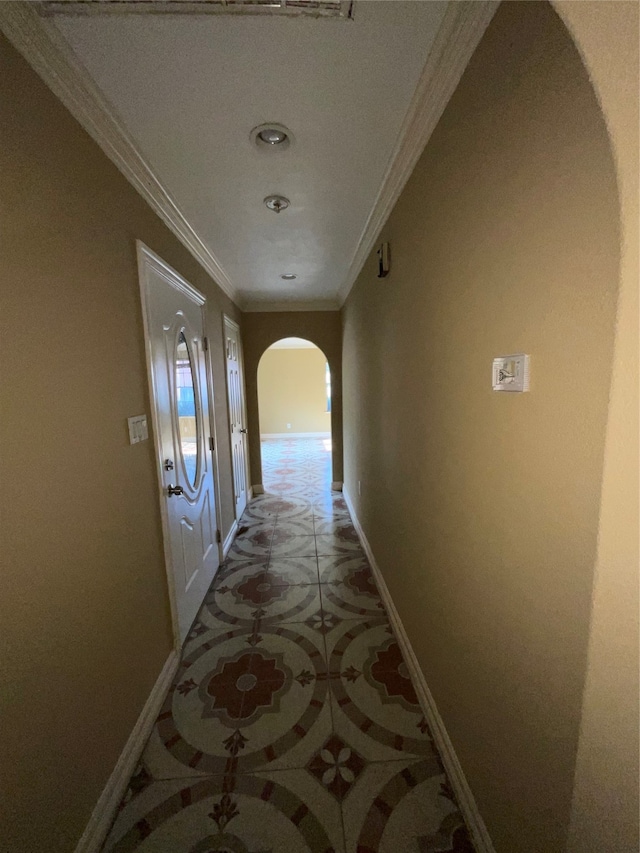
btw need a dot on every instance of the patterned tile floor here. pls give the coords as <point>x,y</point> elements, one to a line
<point>292,724</point>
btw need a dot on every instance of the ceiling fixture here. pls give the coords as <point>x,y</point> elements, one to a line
<point>277,203</point>
<point>288,276</point>
<point>271,136</point>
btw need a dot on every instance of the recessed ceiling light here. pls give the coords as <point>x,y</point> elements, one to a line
<point>288,276</point>
<point>277,203</point>
<point>271,136</point>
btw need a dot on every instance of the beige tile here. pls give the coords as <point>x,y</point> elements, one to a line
<point>266,811</point>
<point>402,806</point>
<point>300,546</point>
<point>292,714</point>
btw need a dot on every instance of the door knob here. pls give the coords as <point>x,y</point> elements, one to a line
<point>175,490</point>
<point>244,431</point>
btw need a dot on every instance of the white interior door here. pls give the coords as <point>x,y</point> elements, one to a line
<point>174,330</point>
<point>237,410</point>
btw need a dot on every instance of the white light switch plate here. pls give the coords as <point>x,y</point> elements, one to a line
<point>511,372</point>
<point>138,430</point>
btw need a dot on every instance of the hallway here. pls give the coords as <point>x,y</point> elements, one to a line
<point>292,724</point>
<point>430,193</point>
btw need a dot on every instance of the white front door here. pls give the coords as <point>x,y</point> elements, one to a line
<point>174,331</point>
<point>237,416</point>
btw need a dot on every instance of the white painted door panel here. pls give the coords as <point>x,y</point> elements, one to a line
<point>174,328</point>
<point>237,416</point>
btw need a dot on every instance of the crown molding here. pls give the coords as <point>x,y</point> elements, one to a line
<point>256,306</point>
<point>50,55</point>
<point>463,25</point>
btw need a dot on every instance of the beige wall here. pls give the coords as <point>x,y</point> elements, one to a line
<point>605,807</point>
<point>292,390</point>
<point>84,604</point>
<point>259,331</point>
<point>483,509</point>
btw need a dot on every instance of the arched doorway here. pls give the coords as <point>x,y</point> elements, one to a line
<point>294,401</point>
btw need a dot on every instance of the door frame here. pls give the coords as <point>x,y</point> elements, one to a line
<point>148,260</point>
<point>227,320</point>
<point>214,435</point>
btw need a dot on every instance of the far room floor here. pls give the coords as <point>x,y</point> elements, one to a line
<point>297,466</point>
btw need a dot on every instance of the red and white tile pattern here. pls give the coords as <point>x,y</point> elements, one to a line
<point>292,725</point>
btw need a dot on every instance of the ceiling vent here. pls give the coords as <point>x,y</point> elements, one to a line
<point>309,8</point>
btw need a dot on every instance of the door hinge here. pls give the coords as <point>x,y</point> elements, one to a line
<point>211,447</point>
<point>218,537</point>
<point>205,343</point>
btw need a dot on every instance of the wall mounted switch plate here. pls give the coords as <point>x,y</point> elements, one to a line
<point>138,429</point>
<point>511,372</point>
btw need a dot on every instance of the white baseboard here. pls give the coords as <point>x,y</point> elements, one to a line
<point>266,435</point>
<point>336,486</point>
<point>99,824</point>
<point>466,800</point>
<point>228,541</point>
<point>257,489</point>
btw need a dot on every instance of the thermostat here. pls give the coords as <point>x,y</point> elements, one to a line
<point>511,372</point>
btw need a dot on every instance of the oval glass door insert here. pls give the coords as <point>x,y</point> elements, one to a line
<point>187,409</point>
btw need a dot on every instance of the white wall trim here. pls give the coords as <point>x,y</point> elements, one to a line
<point>453,768</point>
<point>50,55</point>
<point>462,28</point>
<point>336,486</point>
<point>228,540</point>
<point>267,435</point>
<point>100,821</point>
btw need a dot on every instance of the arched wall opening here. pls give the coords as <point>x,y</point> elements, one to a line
<point>606,791</point>
<point>294,403</point>
<point>262,329</point>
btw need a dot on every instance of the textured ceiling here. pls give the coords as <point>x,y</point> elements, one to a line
<point>189,89</point>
